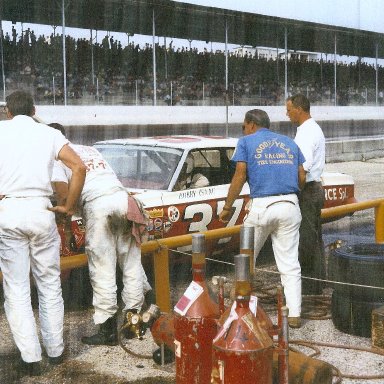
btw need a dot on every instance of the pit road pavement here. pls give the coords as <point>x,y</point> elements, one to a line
<point>112,365</point>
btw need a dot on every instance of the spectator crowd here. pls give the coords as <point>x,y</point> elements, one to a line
<point>109,72</point>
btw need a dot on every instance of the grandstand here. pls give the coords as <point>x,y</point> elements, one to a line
<point>123,75</point>
<point>110,72</point>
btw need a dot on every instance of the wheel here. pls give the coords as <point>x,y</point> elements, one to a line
<point>358,264</point>
<point>353,316</point>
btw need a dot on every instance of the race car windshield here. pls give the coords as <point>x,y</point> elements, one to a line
<point>140,166</point>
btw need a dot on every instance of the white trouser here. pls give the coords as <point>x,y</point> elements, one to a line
<point>280,217</point>
<point>109,240</point>
<point>29,240</point>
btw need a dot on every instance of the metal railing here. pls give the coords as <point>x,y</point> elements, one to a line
<point>342,210</point>
<point>159,249</point>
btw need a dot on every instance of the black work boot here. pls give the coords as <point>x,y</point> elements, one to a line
<point>57,360</point>
<point>29,369</point>
<point>149,298</point>
<point>107,334</point>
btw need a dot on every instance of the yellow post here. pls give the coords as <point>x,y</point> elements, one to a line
<point>379,223</point>
<point>162,286</point>
<point>74,261</point>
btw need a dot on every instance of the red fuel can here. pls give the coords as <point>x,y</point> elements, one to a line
<point>242,349</point>
<point>195,324</point>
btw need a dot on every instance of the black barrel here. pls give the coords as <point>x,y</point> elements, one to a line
<point>352,306</point>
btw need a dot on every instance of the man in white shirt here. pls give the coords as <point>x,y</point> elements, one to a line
<point>29,239</point>
<point>310,139</point>
<point>108,240</point>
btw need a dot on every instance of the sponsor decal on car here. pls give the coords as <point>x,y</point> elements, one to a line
<point>167,226</point>
<point>153,213</point>
<point>173,214</point>
<point>158,224</point>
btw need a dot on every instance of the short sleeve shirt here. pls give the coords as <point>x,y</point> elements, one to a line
<point>27,153</point>
<point>310,139</point>
<point>100,178</point>
<point>272,163</point>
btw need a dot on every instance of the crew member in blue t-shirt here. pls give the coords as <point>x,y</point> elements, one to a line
<point>272,165</point>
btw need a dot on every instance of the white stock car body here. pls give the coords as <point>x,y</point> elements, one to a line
<point>151,166</point>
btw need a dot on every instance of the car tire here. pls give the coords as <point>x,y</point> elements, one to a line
<point>353,316</point>
<point>352,306</point>
<point>358,264</point>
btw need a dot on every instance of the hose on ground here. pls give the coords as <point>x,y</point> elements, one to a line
<point>314,344</point>
<point>120,339</point>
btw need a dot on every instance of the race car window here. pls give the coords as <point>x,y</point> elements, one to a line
<point>213,163</point>
<point>139,166</point>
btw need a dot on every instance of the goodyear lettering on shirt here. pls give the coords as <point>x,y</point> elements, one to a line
<point>265,157</point>
<point>268,144</point>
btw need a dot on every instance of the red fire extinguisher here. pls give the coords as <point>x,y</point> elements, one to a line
<point>195,323</point>
<point>242,348</point>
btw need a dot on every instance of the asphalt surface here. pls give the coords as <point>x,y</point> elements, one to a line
<point>85,364</point>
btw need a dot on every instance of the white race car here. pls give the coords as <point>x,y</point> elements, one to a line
<point>153,167</point>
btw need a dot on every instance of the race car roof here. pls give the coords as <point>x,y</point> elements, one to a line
<point>176,141</point>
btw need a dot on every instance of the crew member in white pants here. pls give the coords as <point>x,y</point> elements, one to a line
<point>279,216</point>
<point>273,166</point>
<point>29,240</point>
<point>108,240</point>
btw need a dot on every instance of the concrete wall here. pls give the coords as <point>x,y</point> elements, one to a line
<point>354,150</point>
<point>147,115</point>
